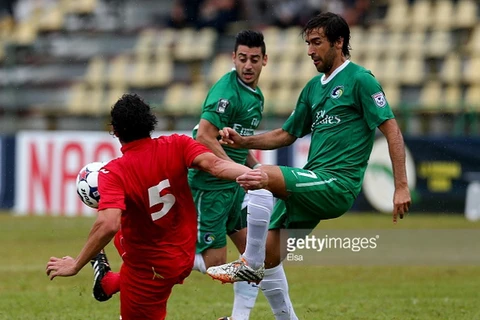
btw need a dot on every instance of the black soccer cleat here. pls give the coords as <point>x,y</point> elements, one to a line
<point>100,267</point>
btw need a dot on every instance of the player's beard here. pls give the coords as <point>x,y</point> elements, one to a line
<point>327,61</point>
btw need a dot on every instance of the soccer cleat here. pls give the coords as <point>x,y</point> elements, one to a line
<point>100,267</point>
<point>236,271</point>
<point>225,318</point>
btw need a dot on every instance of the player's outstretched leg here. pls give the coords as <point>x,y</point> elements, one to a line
<point>236,271</point>
<point>100,267</point>
<point>250,266</point>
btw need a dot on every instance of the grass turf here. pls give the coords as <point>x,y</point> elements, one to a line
<point>318,292</point>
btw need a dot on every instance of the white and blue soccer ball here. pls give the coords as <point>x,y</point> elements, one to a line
<point>87,184</point>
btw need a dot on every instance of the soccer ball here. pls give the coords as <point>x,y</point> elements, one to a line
<point>87,184</point>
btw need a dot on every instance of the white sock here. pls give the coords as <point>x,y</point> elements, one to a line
<point>275,288</point>
<point>245,296</point>
<point>260,206</point>
<point>199,263</point>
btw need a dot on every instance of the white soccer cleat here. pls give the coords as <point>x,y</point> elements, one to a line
<point>236,271</point>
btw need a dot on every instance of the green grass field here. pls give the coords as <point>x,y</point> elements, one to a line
<point>345,292</point>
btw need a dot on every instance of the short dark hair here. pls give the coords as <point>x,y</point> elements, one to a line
<point>334,26</point>
<point>132,118</point>
<point>251,39</point>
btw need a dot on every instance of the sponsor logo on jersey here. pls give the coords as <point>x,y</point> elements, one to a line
<point>379,99</point>
<point>321,117</point>
<point>243,131</point>
<point>222,105</point>
<point>337,92</point>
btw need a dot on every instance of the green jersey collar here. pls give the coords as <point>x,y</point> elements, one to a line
<point>334,73</point>
<point>244,85</point>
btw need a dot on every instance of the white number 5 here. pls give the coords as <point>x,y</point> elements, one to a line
<point>154,197</point>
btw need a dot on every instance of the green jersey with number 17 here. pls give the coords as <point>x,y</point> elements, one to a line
<point>229,103</point>
<point>342,114</point>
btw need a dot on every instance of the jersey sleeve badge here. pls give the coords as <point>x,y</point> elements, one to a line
<point>222,105</point>
<point>379,99</point>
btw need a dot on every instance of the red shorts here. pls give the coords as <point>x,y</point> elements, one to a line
<point>144,296</point>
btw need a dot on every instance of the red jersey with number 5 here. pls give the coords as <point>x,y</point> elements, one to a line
<point>159,221</point>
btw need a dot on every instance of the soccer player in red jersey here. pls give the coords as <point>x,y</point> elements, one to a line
<point>146,194</point>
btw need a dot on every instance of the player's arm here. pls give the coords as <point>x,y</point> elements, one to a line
<point>296,126</point>
<point>377,113</point>
<point>229,170</point>
<point>252,161</point>
<point>102,232</point>
<point>266,141</point>
<point>396,147</point>
<point>207,134</point>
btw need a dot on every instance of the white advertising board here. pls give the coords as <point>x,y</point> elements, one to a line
<point>47,164</point>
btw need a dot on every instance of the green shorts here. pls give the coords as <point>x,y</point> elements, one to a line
<point>314,196</point>
<point>219,213</point>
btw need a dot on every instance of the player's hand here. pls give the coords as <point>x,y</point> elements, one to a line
<point>230,137</point>
<point>63,267</point>
<point>401,203</point>
<point>253,180</point>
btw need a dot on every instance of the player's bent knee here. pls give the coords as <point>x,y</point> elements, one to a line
<point>260,198</point>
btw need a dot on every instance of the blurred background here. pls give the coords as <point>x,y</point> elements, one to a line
<point>63,63</point>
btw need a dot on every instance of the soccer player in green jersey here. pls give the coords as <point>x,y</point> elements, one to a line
<point>234,101</point>
<point>341,108</point>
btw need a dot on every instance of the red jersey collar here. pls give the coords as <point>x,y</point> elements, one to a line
<point>135,144</point>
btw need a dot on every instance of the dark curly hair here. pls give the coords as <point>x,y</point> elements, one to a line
<point>132,118</point>
<point>251,39</point>
<point>334,26</point>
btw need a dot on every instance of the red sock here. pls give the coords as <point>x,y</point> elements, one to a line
<point>111,283</point>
